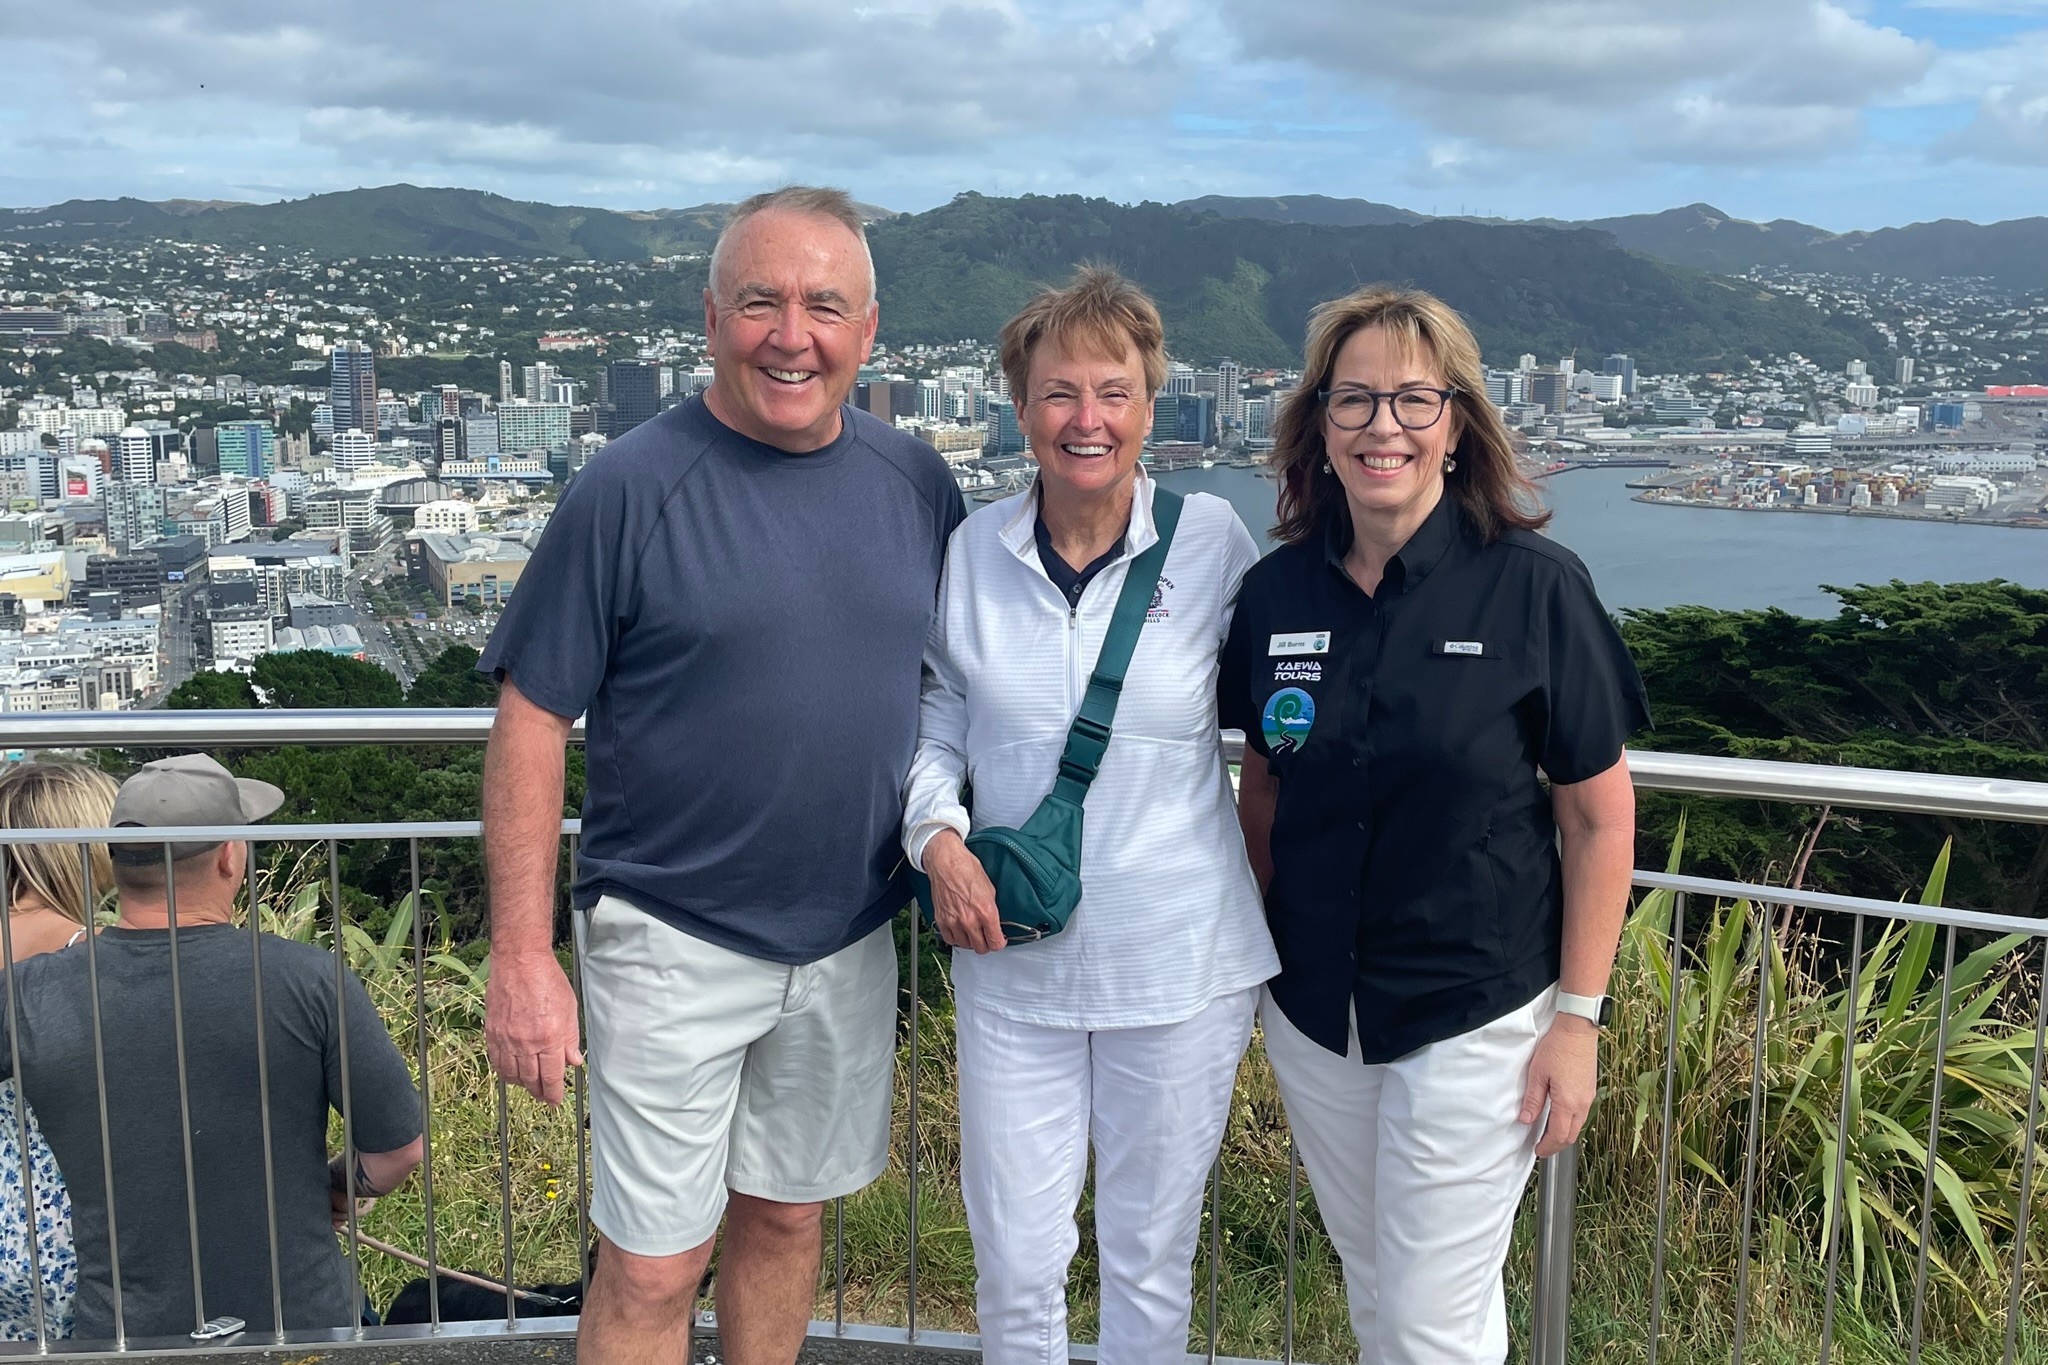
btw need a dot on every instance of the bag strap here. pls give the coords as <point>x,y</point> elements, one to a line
<point>1088,737</point>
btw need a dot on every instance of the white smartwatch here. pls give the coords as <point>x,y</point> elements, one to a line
<point>1597,1010</point>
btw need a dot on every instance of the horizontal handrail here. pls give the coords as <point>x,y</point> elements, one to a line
<point>1814,784</point>
<point>1908,911</point>
<point>205,729</point>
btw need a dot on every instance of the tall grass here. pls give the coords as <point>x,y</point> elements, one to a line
<point>1733,951</point>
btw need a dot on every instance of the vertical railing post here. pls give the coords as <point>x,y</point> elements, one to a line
<point>1557,1190</point>
<point>419,999</point>
<point>99,1066</point>
<point>1753,1127</point>
<point>263,1097</point>
<point>1676,965</point>
<point>184,1094</point>
<point>910,1280</point>
<point>349,1159</point>
<point>1838,1206</point>
<point>2025,1210</point>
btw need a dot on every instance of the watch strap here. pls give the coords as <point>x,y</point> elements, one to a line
<point>1595,1009</point>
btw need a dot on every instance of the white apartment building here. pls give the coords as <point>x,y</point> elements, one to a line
<point>241,632</point>
<point>353,452</point>
<point>353,510</point>
<point>101,422</point>
<point>448,515</point>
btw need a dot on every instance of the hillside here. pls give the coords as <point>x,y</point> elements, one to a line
<point>1242,287</point>
<point>393,220</point>
<point>1235,284</point>
<point>1701,237</point>
<point>1305,208</point>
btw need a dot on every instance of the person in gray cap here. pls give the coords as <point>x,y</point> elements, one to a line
<point>303,1021</point>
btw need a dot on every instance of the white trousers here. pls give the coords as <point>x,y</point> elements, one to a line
<point>1418,1167</point>
<point>1152,1101</point>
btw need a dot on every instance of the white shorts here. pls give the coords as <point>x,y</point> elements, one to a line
<point>711,1070</point>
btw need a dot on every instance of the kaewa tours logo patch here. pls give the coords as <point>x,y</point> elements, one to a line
<point>1290,713</point>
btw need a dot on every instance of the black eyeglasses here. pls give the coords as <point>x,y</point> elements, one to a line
<point>1353,409</point>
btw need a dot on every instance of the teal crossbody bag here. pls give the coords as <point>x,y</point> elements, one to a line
<point>1036,869</point>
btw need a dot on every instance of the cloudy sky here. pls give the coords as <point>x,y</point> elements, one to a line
<point>1846,113</point>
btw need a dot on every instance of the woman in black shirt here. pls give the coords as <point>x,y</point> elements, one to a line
<point>1435,799</point>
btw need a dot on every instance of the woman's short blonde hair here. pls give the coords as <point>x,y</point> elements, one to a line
<point>1488,482</point>
<point>1098,312</point>
<point>56,795</point>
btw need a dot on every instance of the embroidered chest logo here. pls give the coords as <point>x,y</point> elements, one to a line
<point>1289,715</point>
<point>1298,670</point>
<point>1158,610</point>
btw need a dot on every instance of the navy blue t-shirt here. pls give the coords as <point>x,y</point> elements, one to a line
<point>742,628</point>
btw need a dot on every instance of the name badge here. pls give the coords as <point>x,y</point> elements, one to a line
<point>1471,649</point>
<point>1308,642</point>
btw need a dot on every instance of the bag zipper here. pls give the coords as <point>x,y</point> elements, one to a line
<point>1041,880</point>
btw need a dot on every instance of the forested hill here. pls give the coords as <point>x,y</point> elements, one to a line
<point>2013,253</point>
<point>1238,286</point>
<point>391,220</point>
<point>1242,287</point>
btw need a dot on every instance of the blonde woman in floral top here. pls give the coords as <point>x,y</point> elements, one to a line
<point>48,906</point>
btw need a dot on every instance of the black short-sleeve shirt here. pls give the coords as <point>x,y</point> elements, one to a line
<point>1415,865</point>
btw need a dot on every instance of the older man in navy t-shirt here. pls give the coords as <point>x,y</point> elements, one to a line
<point>736,593</point>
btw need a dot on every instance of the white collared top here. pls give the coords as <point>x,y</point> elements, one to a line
<point>1170,917</point>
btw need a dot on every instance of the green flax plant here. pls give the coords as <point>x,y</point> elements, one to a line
<point>1734,950</point>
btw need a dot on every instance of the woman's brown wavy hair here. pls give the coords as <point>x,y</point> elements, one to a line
<point>1487,482</point>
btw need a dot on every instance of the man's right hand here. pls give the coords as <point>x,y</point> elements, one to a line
<point>530,1030</point>
<point>963,899</point>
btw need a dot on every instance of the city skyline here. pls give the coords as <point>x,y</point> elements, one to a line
<point>1841,113</point>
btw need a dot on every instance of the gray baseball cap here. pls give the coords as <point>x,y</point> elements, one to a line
<point>189,789</point>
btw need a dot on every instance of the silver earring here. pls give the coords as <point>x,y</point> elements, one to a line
<point>1449,464</point>
<point>1329,468</point>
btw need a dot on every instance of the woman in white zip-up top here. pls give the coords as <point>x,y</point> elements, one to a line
<point>1122,1033</point>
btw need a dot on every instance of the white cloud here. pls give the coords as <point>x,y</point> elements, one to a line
<point>693,88</point>
<point>1739,80</point>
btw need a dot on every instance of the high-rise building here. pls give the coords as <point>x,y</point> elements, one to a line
<point>352,387</point>
<point>505,381</point>
<point>480,436</point>
<point>449,441</point>
<point>245,448</point>
<point>1197,418</point>
<point>135,515</point>
<point>1258,418</point>
<point>534,381</point>
<point>525,425</point>
<point>1550,387</point>
<point>1625,366</point>
<point>1230,396</point>
<point>930,399</point>
<point>134,456</point>
<point>1007,436</point>
<point>354,451</point>
<point>633,389</point>
<point>1902,373</point>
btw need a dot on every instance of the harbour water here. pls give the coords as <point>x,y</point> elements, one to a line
<point>1644,556</point>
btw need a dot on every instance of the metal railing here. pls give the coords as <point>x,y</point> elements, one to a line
<point>1557,1181</point>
